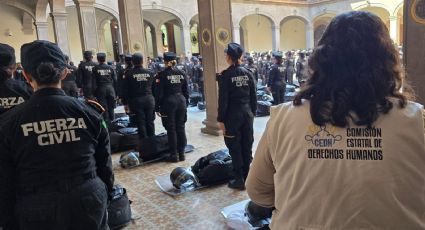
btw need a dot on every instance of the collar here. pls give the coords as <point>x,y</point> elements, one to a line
<point>49,92</point>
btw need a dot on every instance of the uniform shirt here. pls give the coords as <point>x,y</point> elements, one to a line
<point>12,93</point>
<point>52,137</point>
<point>236,86</point>
<point>137,82</point>
<point>277,76</point>
<point>341,178</point>
<point>104,75</point>
<point>72,75</point>
<point>85,75</point>
<point>253,69</point>
<point>198,73</point>
<point>170,81</point>
<point>181,67</point>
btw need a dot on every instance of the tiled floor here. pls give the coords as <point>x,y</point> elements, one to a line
<point>153,209</point>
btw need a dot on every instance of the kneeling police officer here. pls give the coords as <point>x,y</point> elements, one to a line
<point>55,162</point>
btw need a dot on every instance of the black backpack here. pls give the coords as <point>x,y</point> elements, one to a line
<point>153,147</point>
<point>215,168</point>
<point>119,210</point>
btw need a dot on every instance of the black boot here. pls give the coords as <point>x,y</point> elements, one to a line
<point>182,157</point>
<point>172,158</point>
<point>237,183</point>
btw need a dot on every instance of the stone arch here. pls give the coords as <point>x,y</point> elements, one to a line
<point>20,6</point>
<point>320,23</point>
<point>289,17</point>
<point>256,32</point>
<point>397,9</point>
<point>170,10</point>
<point>380,10</point>
<point>108,10</point>
<point>237,21</point>
<point>374,4</point>
<point>41,10</point>
<point>293,31</point>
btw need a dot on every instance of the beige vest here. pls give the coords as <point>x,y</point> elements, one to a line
<point>348,178</point>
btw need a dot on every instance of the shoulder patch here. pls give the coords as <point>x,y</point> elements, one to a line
<point>95,105</point>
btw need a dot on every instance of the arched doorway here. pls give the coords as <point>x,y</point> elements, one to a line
<point>320,23</point>
<point>150,35</point>
<point>167,28</point>
<point>293,33</point>
<point>256,32</point>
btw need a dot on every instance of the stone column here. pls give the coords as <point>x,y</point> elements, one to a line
<point>60,26</point>
<point>393,28</point>
<point>154,42</point>
<point>237,34</point>
<point>414,51</point>
<point>186,41</point>
<point>101,34</point>
<point>309,28</point>
<point>276,38</point>
<point>87,22</point>
<point>215,24</point>
<point>132,28</point>
<point>42,30</point>
<point>159,44</point>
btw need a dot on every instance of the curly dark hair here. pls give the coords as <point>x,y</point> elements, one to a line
<point>354,71</point>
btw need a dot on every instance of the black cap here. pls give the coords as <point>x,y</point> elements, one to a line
<point>39,51</point>
<point>137,58</point>
<point>277,54</point>
<point>169,56</point>
<point>128,58</point>
<point>101,55</point>
<point>7,55</point>
<point>234,50</point>
<point>87,54</point>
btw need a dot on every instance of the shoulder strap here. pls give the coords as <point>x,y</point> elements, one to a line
<point>95,105</point>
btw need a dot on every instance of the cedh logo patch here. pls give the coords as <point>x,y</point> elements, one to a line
<point>322,136</point>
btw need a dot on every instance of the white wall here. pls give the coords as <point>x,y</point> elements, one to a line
<point>257,33</point>
<point>11,20</point>
<point>293,35</point>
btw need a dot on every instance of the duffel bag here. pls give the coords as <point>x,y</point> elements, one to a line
<point>153,147</point>
<point>214,168</point>
<point>129,139</point>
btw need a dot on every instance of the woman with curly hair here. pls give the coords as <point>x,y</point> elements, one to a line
<point>349,152</point>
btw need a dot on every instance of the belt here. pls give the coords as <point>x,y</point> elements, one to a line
<point>60,185</point>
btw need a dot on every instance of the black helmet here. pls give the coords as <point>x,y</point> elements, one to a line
<point>129,160</point>
<point>257,215</point>
<point>183,178</point>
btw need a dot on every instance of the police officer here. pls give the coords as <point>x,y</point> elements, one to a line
<point>12,92</point>
<point>251,67</point>
<point>289,65</point>
<point>105,81</point>
<point>198,77</point>
<point>276,82</point>
<point>137,94</point>
<point>85,75</point>
<point>55,162</point>
<point>237,104</point>
<point>121,73</point>
<point>18,73</point>
<point>171,101</point>
<point>302,69</point>
<point>69,84</point>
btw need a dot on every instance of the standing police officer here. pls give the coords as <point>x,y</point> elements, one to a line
<point>172,97</point>
<point>121,74</point>
<point>55,162</point>
<point>85,75</point>
<point>69,84</point>
<point>137,94</point>
<point>276,81</point>
<point>251,67</point>
<point>237,104</point>
<point>198,76</point>
<point>289,65</point>
<point>12,92</point>
<point>302,69</point>
<point>104,86</point>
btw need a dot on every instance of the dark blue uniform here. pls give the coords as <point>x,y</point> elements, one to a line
<point>138,94</point>
<point>171,101</point>
<point>104,85</point>
<point>55,164</point>
<point>69,84</point>
<point>277,83</point>
<point>85,78</point>
<point>237,104</point>
<point>12,93</point>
